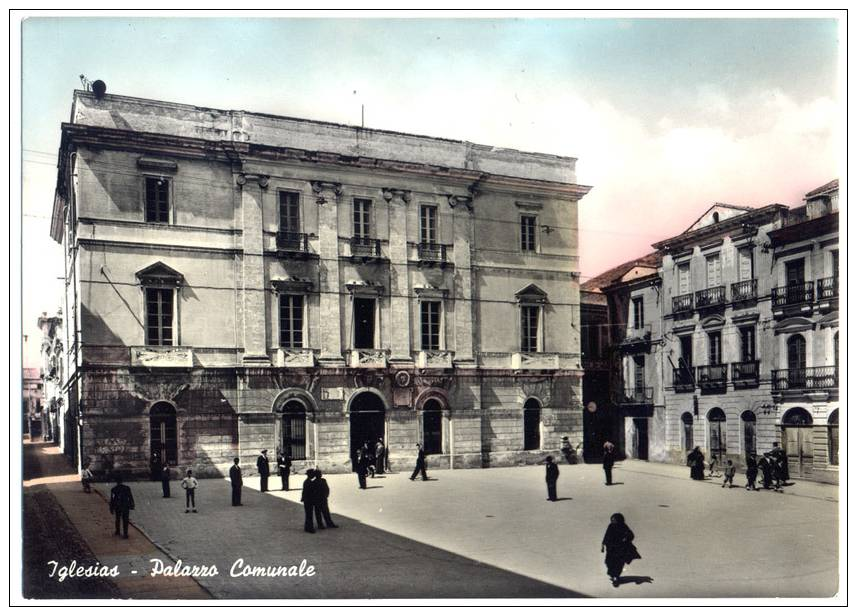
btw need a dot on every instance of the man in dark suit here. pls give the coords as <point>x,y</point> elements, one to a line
<point>323,495</point>
<point>264,468</point>
<point>284,464</point>
<point>551,476</point>
<point>420,468</point>
<point>607,462</point>
<point>121,504</point>
<point>237,482</point>
<point>309,497</point>
<point>361,467</point>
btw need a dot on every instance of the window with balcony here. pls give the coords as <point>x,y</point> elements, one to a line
<point>638,312</point>
<point>159,316</point>
<point>713,271</point>
<point>157,200</point>
<point>748,344</point>
<point>683,302</point>
<point>715,348</point>
<point>797,289</point>
<point>430,321</point>
<point>528,232</point>
<point>289,236</point>
<point>291,321</point>
<point>362,218</point>
<point>428,224</point>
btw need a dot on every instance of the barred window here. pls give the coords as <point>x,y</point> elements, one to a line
<point>291,321</point>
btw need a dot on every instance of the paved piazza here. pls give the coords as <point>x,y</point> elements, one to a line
<point>491,532</point>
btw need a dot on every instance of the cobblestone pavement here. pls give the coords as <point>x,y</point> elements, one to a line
<point>471,533</point>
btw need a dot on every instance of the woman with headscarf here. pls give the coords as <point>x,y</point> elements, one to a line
<point>696,461</point>
<point>617,544</point>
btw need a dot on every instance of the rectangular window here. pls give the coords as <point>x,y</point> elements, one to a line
<point>684,279</point>
<point>715,353</point>
<point>290,214</point>
<point>834,262</point>
<point>362,218</point>
<point>712,265</point>
<point>157,200</point>
<point>528,232</point>
<point>745,264</point>
<point>639,373</point>
<point>748,344</point>
<point>291,321</point>
<point>530,328</point>
<point>686,342</point>
<point>638,312</point>
<point>159,317</point>
<point>430,324</point>
<point>795,272</point>
<point>364,323</point>
<point>428,224</point>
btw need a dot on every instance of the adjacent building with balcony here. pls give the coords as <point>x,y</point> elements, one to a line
<point>735,328</point>
<point>239,281</point>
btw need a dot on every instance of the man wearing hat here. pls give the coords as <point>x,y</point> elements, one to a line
<point>264,469</point>
<point>551,476</point>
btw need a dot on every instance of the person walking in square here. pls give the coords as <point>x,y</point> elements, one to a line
<point>617,544</point>
<point>308,498</point>
<point>765,469</point>
<point>237,480</point>
<point>189,484</point>
<point>728,473</point>
<point>420,467</point>
<point>86,477</point>
<point>696,462</point>
<point>781,460</point>
<point>551,476</point>
<point>284,465</point>
<point>361,467</point>
<point>264,468</point>
<point>121,504</point>
<point>607,461</point>
<point>323,496</point>
<point>165,479</point>
<point>752,472</point>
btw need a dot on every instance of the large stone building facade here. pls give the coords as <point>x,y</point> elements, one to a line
<point>240,281</point>
<point>727,337</point>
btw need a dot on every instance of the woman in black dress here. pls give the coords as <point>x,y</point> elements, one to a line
<point>617,544</point>
<point>696,461</point>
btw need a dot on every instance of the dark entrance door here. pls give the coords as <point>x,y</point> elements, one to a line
<point>432,428</point>
<point>641,438</point>
<point>532,425</point>
<point>717,433</point>
<point>162,432</point>
<point>294,430</point>
<point>366,421</point>
<point>364,323</point>
<point>797,440</point>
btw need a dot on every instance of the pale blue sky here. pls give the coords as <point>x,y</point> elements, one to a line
<point>665,116</point>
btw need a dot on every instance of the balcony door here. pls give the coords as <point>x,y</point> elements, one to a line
<point>795,278</point>
<point>796,354</point>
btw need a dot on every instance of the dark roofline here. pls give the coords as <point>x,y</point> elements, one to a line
<point>827,187</point>
<point>724,226</point>
<point>173,104</point>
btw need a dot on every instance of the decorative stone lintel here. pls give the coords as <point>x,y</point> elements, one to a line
<point>455,200</point>
<point>242,178</point>
<point>295,285</point>
<point>326,191</point>
<point>391,194</point>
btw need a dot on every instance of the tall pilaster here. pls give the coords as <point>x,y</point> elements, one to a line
<point>463,234</point>
<point>327,197</point>
<point>400,321</point>
<point>253,268</point>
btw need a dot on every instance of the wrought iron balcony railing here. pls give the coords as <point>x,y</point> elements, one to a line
<point>683,380</point>
<point>711,376</point>
<point>806,378</point>
<point>715,296</point>
<point>683,303</point>
<point>828,288</point>
<point>293,241</point>
<point>638,395</point>
<point>428,251</point>
<point>744,290</point>
<point>365,247</point>
<point>745,374</point>
<point>797,293</point>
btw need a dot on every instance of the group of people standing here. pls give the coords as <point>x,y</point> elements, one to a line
<point>370,459</point>
<point>284,469</point>
<point>773,467</point>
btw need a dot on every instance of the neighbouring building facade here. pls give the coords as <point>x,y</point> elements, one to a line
<point>60,426</point>
<point>33,399</point>
<point>727,337</point>
<point>240,281</point>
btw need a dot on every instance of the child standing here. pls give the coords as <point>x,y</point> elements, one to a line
<point>86,477</point>
<point>189,484</point>
<point>728,473</point>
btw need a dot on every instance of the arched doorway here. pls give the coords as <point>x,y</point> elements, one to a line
<point>162,433</point>
<point>366,422</point>
<point>532,425</point>
<point>432,427</point>
<point>748,428</point>
<point>833,438</point>
<point>717,433</point>
<point>687,430</point>
<point>797,440</point>
<point>293,433</point>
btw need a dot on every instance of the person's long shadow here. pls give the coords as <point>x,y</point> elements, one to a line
<point>563,499</point>
<point>635,579</point>
<point>611,484</point>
